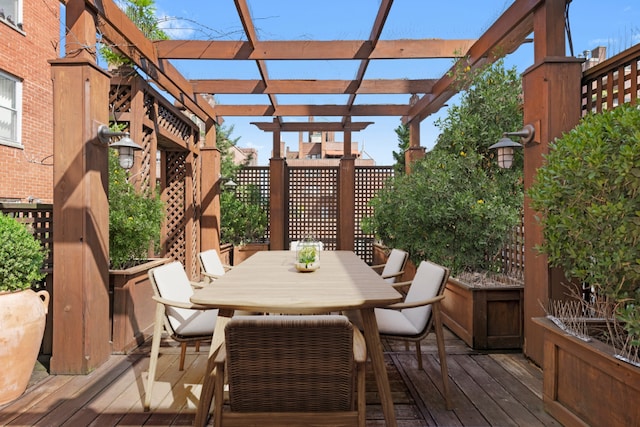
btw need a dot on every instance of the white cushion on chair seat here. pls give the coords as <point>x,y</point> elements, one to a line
<point>173,284</point>
<point>393,322</point>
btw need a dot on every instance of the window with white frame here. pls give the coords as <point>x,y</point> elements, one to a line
<point>10,109</point>
<point>11,11</point>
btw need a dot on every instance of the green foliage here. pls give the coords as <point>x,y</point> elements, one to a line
<point>224,143</point>
<point>448,210</point>
<point>21,256</point>
<point>403,143</point>
<point>143,14</point>
<point>307,255</point>
<point>135,218</point>
<point>491,105</point>
<point>243,218</point>
<point>587,194</point>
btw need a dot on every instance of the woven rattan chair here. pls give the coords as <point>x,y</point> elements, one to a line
<point>184,322</point>
<point>394,267</point>
<point>211,266</point>
<point>291,370</point>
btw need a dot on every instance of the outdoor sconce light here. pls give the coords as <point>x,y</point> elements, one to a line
<point>506,146</point>
<point>230,185</point>
<point>125,145</point>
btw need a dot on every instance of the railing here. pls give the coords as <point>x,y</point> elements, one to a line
<point>612,82</point>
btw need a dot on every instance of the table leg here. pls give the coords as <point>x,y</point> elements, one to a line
<point>208,383</point>
<point>374,347</point>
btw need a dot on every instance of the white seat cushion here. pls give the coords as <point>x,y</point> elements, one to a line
<point>173,284</point>
<point>211,262</point>
<point>394,264</point>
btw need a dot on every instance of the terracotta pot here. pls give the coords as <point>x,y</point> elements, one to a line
<point>22,320</point>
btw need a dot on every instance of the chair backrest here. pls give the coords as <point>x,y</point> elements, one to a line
<point>395,263</point>
<point>290,363</point>
<point>429,282</point>
<point>170,282</point>
<point>210,262</point>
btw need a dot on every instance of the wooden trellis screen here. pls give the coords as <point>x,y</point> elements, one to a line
<point>167,134</point>
<point>258,178</point>
<point>612,82</point>
<point>369,180</point>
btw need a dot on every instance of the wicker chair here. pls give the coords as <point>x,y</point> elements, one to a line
<point>291,370</point>
<point>184,322</point>
<point>211,266</point>
<point>394,267</point>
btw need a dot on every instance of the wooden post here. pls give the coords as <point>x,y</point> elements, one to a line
<point>210,191</point>
<point>346,197</point>
<point>278,195</point>
<point>81,210</point>
<point>415,151</point>
<point>552,104</point>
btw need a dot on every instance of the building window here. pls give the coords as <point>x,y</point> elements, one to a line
<point>11,11</point>
<point>10,109</point>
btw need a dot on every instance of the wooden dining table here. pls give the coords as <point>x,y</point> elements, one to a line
<point>268,282</point>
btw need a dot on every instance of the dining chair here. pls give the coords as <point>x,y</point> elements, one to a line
<point>394,267</point>
<point>184,321</point>
<point>211,265</point>
<point>415,317</point>
<point>307,370</point>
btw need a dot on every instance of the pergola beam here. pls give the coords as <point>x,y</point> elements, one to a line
<point>504,36</point>
<point>311,126</point>
<point>118,29</point>
<point>312,86</point>
<point>312,49</point>
<point>383,110</point>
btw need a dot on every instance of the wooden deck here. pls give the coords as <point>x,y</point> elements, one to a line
<point>489,389</point>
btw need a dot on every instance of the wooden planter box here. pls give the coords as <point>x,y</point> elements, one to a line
<point>486,318</point>
<point>584,384</point>
<point>240,253</point>
<point>132,308</point>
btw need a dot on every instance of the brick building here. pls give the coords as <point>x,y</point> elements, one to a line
<point>29,38</point>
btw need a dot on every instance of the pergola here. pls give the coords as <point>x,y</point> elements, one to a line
<point>551,105</point>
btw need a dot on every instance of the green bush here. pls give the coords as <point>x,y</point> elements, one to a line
<point>588,197</point>
<point>135,219</point>
<point>21,256</point>
<point>243,219</point>
<point>448,210</point>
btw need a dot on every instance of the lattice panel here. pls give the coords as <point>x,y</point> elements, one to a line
<point>178,126</point>
<point>369,180</point>
<point>617,84</point>
<point>174,196</point>
<point>512,254</point>
<point>144,173</point>
<point>257,176</point>
<point>149,103</point>
<point>313,204</point>
<point>119,99</point>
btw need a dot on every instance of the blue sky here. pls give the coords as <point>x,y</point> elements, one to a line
<point>616,29</point>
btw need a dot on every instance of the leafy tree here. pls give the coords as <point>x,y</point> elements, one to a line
<point>143,14</point>
<point>403,144</point>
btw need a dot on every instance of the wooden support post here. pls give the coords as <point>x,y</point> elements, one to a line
<point>81,210</point>
<point>552,88</point>
<point>278,194</point>
<point>415,151</point>
<point>346,197</point>
<point>210,191</point>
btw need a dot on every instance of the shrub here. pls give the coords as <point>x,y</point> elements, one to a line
<point>242,216</point>
<point>448,210</point>
<point>21,256</point>
<point>135,218</point>
<point>588,197</point>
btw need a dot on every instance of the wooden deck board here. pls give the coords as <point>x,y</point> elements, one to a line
<point>487,390</point>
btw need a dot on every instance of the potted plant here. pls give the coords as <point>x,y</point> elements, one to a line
<point>449,211</point>
<point>243,221</point>
<point>587,196</point>
<point>135,221</point>
<point>308,256</point>
<point>22,310</point>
